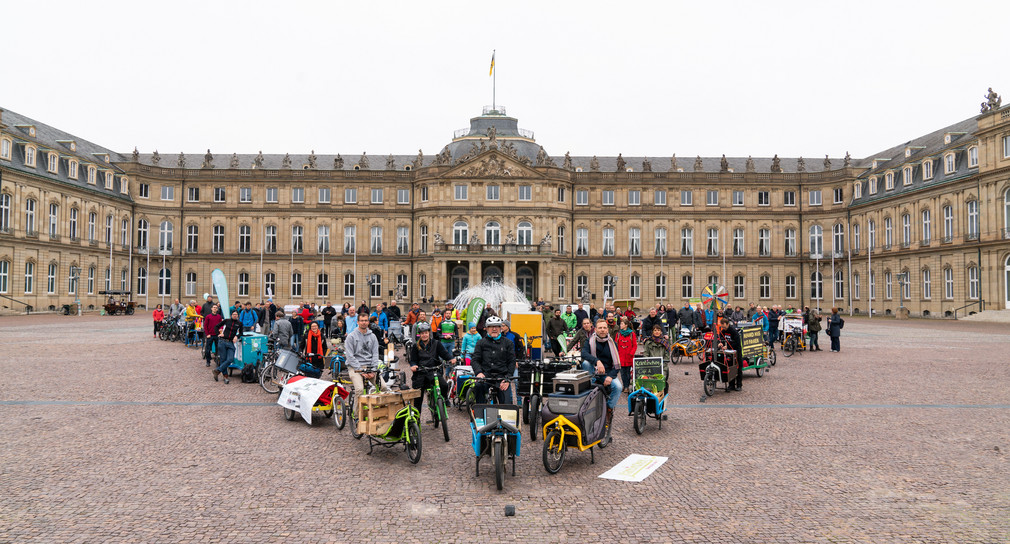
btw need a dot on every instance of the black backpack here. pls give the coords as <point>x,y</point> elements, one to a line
<point>249,374</point>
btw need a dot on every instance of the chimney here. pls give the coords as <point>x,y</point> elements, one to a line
<point>2,125</point>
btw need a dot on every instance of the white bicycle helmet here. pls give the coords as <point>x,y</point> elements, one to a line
<point>493,321</point>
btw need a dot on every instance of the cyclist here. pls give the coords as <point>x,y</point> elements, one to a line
<point>362,352</point>
<point>494,356</point>
<point>424,355</point>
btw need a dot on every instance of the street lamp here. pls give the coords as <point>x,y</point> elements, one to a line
<point>902,278</point>
<point>75,275</point>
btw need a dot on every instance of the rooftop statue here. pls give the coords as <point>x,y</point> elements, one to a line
<point>234,161</point>
<point>492,137</point>
<point>541,157</point>
<point>567,165</point>
<point>286,161</point>
<point>208,160</point>
<point>827,163</point>
<point>312,159</point>
<point>483,145</point>
<point>182,160</point>
<point>723,164</point>
<point>258,161</point>
<point>801,165</point>
<point>363,161</point>
<point>443,157</point>
<point>338,162</point>
<point>594,164</point>
<point>673,163</point>
<point>136,155</point>
<point>620,163</point>
<point>848,160</point>
<point>776,164</point>
<point>992,101</point>
<point>646,165</point>
<point>390,163</point>
<point>418,160</point>
<point>156,158</point>
<point>699,165</point>
<point>750,164</point>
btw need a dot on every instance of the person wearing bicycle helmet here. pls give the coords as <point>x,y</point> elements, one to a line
<point>425,355</point>
<point>494,357</point>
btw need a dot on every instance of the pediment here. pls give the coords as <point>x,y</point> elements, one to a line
<point>491,164</point>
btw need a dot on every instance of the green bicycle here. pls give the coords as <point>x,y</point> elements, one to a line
<point>436,400</point>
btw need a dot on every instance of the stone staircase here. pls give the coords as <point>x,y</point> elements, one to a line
<point>991,316</point>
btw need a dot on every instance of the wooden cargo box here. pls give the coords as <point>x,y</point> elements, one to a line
<point>376,412</point>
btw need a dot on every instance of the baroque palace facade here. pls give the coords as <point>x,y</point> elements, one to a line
<point>923,225</point>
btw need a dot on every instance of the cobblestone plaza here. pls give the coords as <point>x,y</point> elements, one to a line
<point>110,436</point>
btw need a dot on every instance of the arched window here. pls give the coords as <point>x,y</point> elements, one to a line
<point>525,281</point>
<point>460,233</point>
<point>459,279</point>
<point>525,234</point>
<point>816,241</point>
<point>492,233</point>
<point>493,273</point>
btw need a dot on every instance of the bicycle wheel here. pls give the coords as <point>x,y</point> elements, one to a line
<point>163,333</point>
<point>289,414</point>
<point>434,409</point>
<point>339,411</point>
<point>413,442</point>
<point>354,423</point>
<point>526,410</point>
<point>270,379</point>
<point>676,354</point>
<point>790,346</point>
<point>710,382</point>
<point>760,370</point>
<point>444,417</point>
<point>534,417</point>
<point>498,451</point>
<point>639,416</point>
<point>554,451</point>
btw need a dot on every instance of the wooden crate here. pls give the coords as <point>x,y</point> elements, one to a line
<point>376,412</point>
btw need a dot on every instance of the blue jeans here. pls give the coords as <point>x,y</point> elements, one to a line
<point>226,349</point>
<point>615,385</point>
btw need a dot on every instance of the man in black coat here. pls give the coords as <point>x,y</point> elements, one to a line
<point>494,357</point>
<point>580,314</point>
<point>555,328</point>
<point>328,312</point>
<point>685,316</point>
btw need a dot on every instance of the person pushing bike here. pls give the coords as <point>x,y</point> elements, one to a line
<point>425,356</point>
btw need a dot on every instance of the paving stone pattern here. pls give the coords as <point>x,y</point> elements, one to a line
<point>112,436</point>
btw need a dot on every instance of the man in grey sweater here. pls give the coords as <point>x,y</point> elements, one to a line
<point>362,351</point>
<point>282,331</point>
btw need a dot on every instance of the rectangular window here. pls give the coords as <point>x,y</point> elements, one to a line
<point>927,285</point>
<point>167,192</point>
<point>581,242</point>
<point>193,194</point>
<point>245,195</point>
<point>422,285</point>
<point>582,197</point>
<point>948,223</point>
<point>738,243</point>
<point>244,238</point>
<point>350,238</point>
<point>926,221</point>
<point>30,158</point>
<point>927,170</point>
<point>296,284</point>
<point>855,286</point>
<point>906,175</point>
<point>376,241</point>
<point>375,285</point>
<point>712,198</point>
<point>219,194</point>
<point>765,287</point>
<point>790,240</point>
<point>738,286</point>
<point>376,196</point>
<point>403,196</point>
<point>52,163</point>
<point>888,233</point>
<point>687,198</point>
<point>839,195</point>
<point>763,199</point>
<point>973,220</point>
<point>789,198</point>
<point>764,243</point>
<point>270,239</point>
<point>348,285</point>
<point>634,241</point>
<point>525,192</point>
<point>887,285</point>
<point>634,198</point>
<point>424,194</point>
<point>713,242</point>
<point>738,198</point>
<point>296,239</point>
<point>190,284</point>
<point>350,196</point>
<point>855,236</point>
<point>687,286</point>
<point>493,192</point>
<point>889,181</point>
<point>972,158</point>
<point>424,239</point>
<point>950,164</point>
<point>659,197</point>
<point>608,242</point>
<point>790,286</point>
<point>815,197</point>
<point>561,194</point>
<point>686,242</point>
<point>271,195</point>
<point>324,195</point>
<point>401,286</point>
<point>322,285</point>
<point>51,280</point>
<point>5,150</point>
<point>661,286</point>
<point>402,237</point>
<point>973,283</point>
<point>297,195</point>
<point>661,242</point>
<point>608,197</point>
<point>92,172</point>
<point>581,286</point>
<point>561,287</point>
<point>1006,147</point>
<point>460,192</point>
<point>635,286</point>
<point>91,283</point>
<point>243,284</point>
<point>143,190</point>
<point>270,283</point>
<point>218,239</point>
<point>323,239</point>
<point>948,283</point>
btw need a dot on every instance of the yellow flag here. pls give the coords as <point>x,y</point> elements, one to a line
<point>492,64</point>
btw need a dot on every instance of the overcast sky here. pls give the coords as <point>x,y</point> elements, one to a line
<point>593,78</point>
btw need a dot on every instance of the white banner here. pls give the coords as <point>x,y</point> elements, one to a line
<point>302,394</point>
<point>634,468</point>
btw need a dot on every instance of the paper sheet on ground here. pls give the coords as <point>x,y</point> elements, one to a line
<point>634,468</point>
<point>302,394</point>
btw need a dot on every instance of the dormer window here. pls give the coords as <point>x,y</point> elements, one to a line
<point>92,172</point>
<point>69,144</point>
<point>906,175</point>
<point>972,157</point>
<point>5,148</point>
<point>124,185</point>
<point>30,156</point>
<point>946,139</point>
<point>948,163</point>
<point>873,185</point>
<point>108,180</point>
<point>53,162</point>
<point>857,190</point>
<point>874,167</point>
<point>908,152</point>
<point>927,169</point>
<point>72,169</point>
<point>889,181</point>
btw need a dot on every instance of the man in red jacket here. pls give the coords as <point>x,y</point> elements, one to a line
<point>211,326</point>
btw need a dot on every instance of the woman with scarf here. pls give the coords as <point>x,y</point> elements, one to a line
<point>315,346</point>
<point>627,345</point>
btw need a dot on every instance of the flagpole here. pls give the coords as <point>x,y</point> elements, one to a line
<point>494,83</point>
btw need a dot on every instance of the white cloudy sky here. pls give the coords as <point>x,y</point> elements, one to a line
<point>642,78</point>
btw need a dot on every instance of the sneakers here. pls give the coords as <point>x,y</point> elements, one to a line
<point>226,382</point>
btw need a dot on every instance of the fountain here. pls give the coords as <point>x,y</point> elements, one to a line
<point>489,294</point>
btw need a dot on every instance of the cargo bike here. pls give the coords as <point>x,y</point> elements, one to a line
<point>536,380</point>
<point>495,432</point>
<point>648,397</point>
<point>729,354</point>
<point>574,419</point>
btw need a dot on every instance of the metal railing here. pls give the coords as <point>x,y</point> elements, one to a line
<point>947,239</point>
<point>972,236</point>
<point>494,249</point>
<point>32,234</point>
<point>980,303</point>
